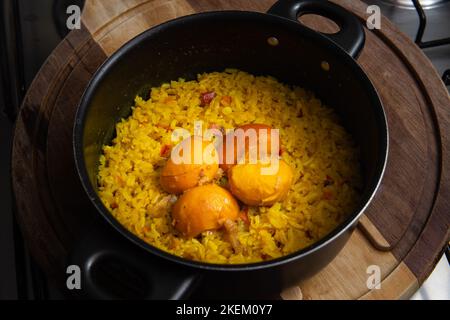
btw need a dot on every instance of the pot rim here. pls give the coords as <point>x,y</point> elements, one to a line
<point>102,71</point>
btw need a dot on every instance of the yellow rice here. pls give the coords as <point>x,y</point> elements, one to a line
<point>317,147</point>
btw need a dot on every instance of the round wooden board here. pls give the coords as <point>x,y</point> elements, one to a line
<point>404,230</point>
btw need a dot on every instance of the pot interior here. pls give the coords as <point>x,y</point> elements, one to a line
<point>215,41</point>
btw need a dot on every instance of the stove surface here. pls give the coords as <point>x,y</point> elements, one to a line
<point>407,20</point>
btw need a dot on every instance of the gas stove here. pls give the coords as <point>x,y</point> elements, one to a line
<point>30,30</point>
<point>427,22</point>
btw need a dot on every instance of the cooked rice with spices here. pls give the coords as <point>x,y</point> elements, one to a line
<point>323,157</point>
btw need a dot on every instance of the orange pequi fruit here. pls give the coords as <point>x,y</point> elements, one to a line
<point>254,187</point>
<point>241,147</point>
<point>203,208</point>
<point>200,166</point>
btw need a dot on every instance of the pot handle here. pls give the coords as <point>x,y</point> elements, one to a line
<point>351,35</point>
<point>113,268</point>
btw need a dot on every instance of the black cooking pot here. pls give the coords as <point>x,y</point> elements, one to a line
<point>208,42</point>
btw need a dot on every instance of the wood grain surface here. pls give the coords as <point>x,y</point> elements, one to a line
<point>403,231</point>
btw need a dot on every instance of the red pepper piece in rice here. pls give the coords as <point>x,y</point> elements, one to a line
<point>226,100</point>
<point>165,150</point>
<point>243,215</point>
<point>206,98</point>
